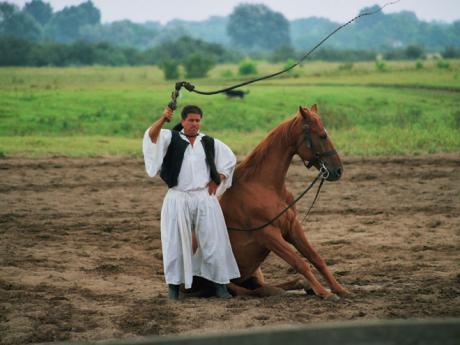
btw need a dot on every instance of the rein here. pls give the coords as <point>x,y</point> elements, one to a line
<point>321,175</point>
<point>191,88</point>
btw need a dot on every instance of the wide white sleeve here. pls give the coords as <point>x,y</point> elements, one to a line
<point>154,153</point>
<point>225,164</point>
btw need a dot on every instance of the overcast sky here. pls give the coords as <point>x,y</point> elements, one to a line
<point>336,10</point>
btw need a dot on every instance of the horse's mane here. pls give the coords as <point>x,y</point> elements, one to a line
<point>252,163</point>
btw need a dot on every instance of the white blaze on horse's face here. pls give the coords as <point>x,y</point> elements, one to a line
<point>315,144</point>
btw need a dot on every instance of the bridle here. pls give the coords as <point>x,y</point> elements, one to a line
<point>323,174</point>
<point>317,155</point>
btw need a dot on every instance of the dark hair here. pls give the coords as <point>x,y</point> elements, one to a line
<point>191,109</point>
<point>188,109</point>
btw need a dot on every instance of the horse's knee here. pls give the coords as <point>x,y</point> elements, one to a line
<point>318,262</point>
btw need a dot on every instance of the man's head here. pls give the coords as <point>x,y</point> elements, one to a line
<point>191,119</point>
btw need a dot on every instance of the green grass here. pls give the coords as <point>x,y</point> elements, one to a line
<point>105,111</point>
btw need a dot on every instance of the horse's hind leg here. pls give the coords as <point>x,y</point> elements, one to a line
<point>263,289</point>
<point>255,286</point>
<point>237,290</point>
<point>299,240</point>
<point>271,238</point>
<point>296,284</point>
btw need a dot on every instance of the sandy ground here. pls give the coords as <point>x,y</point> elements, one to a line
<point>80,252</point>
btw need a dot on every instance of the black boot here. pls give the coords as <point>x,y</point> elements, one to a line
<point>173,292</point>
<point>221,291</point>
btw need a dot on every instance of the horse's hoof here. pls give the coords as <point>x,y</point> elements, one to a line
<point>307,288</point>
<point>332,298</point>
<point>309,291</point>
<point>344,293</point>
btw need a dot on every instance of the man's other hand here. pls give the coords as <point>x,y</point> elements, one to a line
<point>212,188</point>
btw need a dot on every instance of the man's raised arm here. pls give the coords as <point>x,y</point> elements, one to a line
<point>155,129</point>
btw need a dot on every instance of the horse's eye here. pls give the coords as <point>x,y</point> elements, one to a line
<point>323,136</point>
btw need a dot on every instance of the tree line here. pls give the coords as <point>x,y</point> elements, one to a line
<point>249,28</point>
<point>36,35</point>
<point>184,50</point>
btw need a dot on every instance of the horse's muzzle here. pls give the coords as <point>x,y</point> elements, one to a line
<point>331,173</point>
<point>334,174</point>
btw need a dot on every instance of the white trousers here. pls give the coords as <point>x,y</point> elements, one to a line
<point>181,213</point>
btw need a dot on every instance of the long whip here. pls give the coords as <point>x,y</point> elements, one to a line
<point>188,86</point>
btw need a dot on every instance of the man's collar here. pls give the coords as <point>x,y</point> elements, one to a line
<point>190,136</point>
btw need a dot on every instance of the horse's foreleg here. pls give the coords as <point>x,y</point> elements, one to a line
<point>272,239</point>
<point>299,240</point>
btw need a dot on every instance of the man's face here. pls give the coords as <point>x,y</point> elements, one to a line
<point>191,124</point>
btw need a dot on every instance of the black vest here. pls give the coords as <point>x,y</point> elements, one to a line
<point>172,161</point>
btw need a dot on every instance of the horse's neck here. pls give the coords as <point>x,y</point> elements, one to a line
<point>278,161</point>
<point>268,163</point>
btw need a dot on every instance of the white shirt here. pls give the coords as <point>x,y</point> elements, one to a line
<point>195,172</point>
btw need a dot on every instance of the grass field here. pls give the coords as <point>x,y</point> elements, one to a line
<point>104,111</point>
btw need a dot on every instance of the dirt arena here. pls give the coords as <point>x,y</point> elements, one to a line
<point>80,253</point>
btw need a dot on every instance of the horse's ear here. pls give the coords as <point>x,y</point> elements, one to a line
<point>302,111</point>
<point>314,108</point>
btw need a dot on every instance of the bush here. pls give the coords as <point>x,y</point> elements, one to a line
<point>380,65</point>
<point>443,64</point>
<point>170,69</point>
<point>419,64</point>
<point>227,74</point>
<point>197,65</point>
<point>247,67</point>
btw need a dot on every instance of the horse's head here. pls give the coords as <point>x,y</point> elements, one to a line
<point>314,145</point>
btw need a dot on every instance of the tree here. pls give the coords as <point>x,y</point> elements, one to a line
<point>49,54</point>
<point>456,27</point>
<point>123,33</point>
<point>282,54</point>
<point>15,51</point>
<point>451,52</point>
<point>65,25</point>
<point>39,10</point>
<point>181,48</point>
<point>414,51</point>
<point>170,69</point>
<point>82,53</point>
<point>18,24</point>
<point>254,27</point>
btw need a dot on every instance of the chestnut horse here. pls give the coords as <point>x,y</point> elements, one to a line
<point>259,193</point>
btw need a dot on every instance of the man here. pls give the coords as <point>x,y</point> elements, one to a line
<point>196,168</point>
